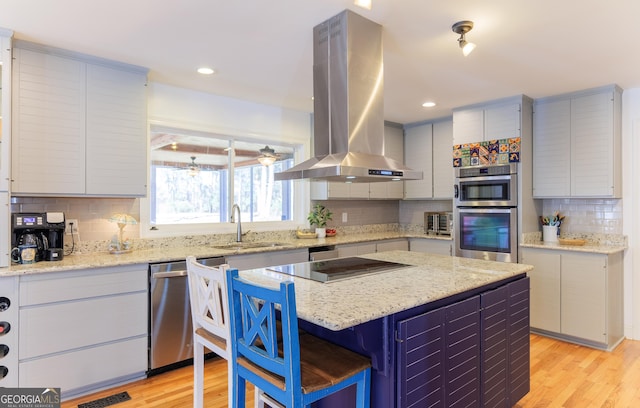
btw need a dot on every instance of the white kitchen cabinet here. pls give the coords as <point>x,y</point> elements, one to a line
<point>72,322</point>
<point>5,108</point>
<point>577,144</point>
<point>393,148</point>
<point>392,245</point>
<point>576,296</point>
<point>79,125</point>
<point>428,148</point>
<point>264,259</point>
<point>430,245</point>
<point>489,121</point>
<point>356,249</point>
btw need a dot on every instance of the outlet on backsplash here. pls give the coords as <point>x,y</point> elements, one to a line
<point>71,226</point>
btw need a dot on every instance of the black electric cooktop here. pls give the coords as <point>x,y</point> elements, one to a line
<point>335,269</point>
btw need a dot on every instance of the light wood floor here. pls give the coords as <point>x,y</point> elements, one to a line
<point>562,375</point>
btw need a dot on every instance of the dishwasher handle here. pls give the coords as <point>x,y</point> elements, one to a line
<point>169,274</point>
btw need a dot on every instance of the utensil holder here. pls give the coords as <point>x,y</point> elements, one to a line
<point>549,233</point>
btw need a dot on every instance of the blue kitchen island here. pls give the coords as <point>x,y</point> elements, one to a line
<point>440,331</point>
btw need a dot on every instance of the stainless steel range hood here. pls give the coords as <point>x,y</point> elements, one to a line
<point>348,106</point>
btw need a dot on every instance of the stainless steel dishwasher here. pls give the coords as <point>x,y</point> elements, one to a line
<point>170,327</point>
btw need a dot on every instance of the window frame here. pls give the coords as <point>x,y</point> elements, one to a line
<point>300,191</point>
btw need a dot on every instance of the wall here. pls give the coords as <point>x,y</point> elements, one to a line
<point>412,211</point>
<point>361,212</point>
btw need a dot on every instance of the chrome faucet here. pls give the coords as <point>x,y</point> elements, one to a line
<point>233,219</point>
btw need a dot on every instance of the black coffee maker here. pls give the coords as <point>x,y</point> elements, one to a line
<point>45,230</point>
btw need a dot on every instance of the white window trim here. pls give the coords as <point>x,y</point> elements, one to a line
<point>301,191</point>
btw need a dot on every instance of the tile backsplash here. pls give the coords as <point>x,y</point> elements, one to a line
<point>584,215</point>
<point>92,213</point>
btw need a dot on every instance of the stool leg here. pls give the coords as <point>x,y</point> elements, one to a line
<point>198,374</point>
<point>363,390</point>
<point>259,403</point>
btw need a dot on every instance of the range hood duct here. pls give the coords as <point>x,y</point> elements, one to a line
<point>348,106</point>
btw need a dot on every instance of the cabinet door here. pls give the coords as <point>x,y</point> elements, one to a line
<point>552,149</point>
<point>395,245</point>
<point>443,175</point>
<point>116,132</point>
<point>592,145</point>
<point>48,121</point>
<point>356,249</point>
<point>418,153</point>
<point>502,122</point>
<point>434,246</point>
<point>583,302</point>
<point>545,288</point>
<point>468,126</point>
<point>421,360</point>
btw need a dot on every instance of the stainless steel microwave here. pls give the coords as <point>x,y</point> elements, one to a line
<point>491,186</point>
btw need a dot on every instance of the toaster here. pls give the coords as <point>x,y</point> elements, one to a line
<point>438,223</point>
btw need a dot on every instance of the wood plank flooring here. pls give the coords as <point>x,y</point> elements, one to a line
<point>562,375</point>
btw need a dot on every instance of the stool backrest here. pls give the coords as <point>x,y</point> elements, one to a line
<point>254,332</point>
<point>208,297</point>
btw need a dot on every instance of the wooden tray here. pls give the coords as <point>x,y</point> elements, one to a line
<point>305,234</point>
<point>567,241</point>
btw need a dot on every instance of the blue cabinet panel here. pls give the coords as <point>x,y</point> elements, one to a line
<point>519,341</point>
<point>494,347</point>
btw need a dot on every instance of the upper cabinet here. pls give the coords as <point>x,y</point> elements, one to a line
<point>577,144</point>
<point>391,190</point>
<point>495,120</point>
<point>428,148</point>
<point>5,107</point>
<point>79,125</point>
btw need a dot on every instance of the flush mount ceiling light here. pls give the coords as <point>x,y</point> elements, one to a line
<point>206,71</point>
<point>193,168</point>
<point>267,156</point>
<point>365,4</point>
<point>428,104</point>
<point>463,27</point>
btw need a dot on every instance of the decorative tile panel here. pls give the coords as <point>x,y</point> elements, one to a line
<point>487,153</point>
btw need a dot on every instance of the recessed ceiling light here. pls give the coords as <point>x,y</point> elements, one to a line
<point>429,104</point>
<point>365,4</point>
<point>206,71</point>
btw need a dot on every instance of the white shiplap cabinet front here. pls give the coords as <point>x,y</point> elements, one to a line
<point>577,145</point>
<point>79,126</point>
<point>493,120</point>
<point>428,148</point>
<point>48,135</point>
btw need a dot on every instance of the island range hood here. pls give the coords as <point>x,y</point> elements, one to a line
<point>348,106</point>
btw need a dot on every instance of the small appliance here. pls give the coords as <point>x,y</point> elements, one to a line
<point>438,223</point>
<point>44,230</point>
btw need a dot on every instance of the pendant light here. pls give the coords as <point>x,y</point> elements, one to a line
<point>462,28</point>
<point>267,156</point>
<point>193,168</point>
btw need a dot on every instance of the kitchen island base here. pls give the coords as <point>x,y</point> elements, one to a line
<point>471,349</point>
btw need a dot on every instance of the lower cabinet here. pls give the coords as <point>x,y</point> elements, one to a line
<point>83,330</point>
<point>577,296</point>
<point>471,353</point>
<point>433,246</point>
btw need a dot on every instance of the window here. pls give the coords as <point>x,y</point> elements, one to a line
<point>196,177</point>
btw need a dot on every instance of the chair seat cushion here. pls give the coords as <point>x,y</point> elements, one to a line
<point>322,364</point>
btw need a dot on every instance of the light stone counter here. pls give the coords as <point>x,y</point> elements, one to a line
<point>346,303</point>
<point>201,247</point>
<point>595,243</point>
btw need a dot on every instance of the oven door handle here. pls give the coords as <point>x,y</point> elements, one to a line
<point>171,274</point>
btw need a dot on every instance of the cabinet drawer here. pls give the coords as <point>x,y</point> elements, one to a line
<point>72,285</point>
<point>83,368</point>
<point>64,326</point>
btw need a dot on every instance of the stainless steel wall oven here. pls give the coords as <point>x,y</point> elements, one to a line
<point>486,213</point>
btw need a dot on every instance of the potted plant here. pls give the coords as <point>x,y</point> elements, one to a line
<point>319,216</point>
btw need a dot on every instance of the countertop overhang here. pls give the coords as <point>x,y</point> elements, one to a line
<point>346,303</point>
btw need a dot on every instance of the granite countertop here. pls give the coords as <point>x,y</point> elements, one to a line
<point>200,247</point>
<point>595,243</point>
<point>345,303</point>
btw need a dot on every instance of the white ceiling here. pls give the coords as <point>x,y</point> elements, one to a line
<point>262,49</point>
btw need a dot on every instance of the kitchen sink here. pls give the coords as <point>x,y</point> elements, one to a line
<point>248,245</point>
